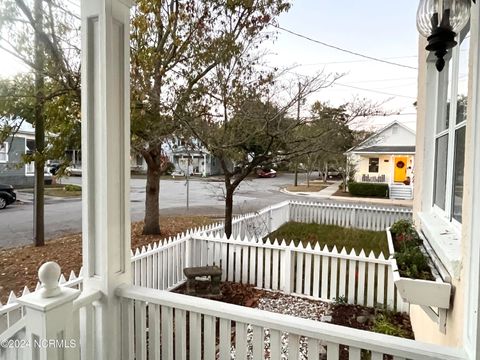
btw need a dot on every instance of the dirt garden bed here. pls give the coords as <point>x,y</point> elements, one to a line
<point>305,188</point>
<point>19,266</point>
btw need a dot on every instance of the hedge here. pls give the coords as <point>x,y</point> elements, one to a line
<point>368,189</point>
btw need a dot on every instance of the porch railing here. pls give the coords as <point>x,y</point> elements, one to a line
<point>382,178</point>
<point>173,326</point>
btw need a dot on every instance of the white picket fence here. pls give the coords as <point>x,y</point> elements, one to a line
<point>165,325</point>
<point>260,224</point>
<point>313,272</point>
<point>160,265</point>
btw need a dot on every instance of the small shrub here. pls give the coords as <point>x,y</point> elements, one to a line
<point>384,325</point>
<point>341,300</point>
<point>71,187</point>
<point>368,189</point>
<point>169,169</point>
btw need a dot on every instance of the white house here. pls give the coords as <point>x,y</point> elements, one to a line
<point>110,318</point>
<point>387,156</point>
<point>191,157</point>
<point>447,177</point>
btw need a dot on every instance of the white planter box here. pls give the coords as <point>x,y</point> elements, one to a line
<point>420,292</point>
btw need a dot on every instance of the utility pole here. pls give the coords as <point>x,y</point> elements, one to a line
<point>298,120</point>
<point>39,191</point>
<point>187,183</point>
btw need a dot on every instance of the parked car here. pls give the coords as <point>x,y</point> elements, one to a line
<point>266,173</point>
<point>7,195</point>
<point>73,171</point>
<point>332,173</point>
<point>53,168</point>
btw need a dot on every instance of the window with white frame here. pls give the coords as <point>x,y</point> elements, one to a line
<point>4,152</point>
<point>450,135</point>
<point>373,165</point>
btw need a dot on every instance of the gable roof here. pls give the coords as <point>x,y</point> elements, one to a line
<point>378,133</point>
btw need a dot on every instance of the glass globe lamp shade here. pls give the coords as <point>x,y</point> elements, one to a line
<point>448,14</point>
<point>440,21</point>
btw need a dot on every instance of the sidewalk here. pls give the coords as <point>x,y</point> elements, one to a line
<point>26,198</point>
<point>328,192</point>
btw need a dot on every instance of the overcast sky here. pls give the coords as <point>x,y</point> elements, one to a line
<point>377,28</point>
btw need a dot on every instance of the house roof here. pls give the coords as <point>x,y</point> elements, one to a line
<point>360,147</point>
<point>385,150</point>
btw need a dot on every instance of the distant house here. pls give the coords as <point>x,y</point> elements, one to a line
<point>388,156</point>
<point>12,169</point>
<point>191,157</point>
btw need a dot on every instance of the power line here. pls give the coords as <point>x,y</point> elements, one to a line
<point>374,91</point>
<point>357,61</point>
<point>344,50</point>
<point>350,86</point>
<point>381,80</point>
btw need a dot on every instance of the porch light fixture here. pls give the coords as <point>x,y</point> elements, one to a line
<point>440,21</point>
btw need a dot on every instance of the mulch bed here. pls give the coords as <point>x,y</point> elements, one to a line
<point>19,266</point>
<point>340,192</point>
<point>349,315</point>
<point>358,317</point>
<point>341,314</point>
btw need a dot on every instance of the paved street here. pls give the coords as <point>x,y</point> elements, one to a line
<point>206,197</point>
<point>64,216</point>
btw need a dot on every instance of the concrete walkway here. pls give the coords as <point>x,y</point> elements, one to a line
<point>328,192</point>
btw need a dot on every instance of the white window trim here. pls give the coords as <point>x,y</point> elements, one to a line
<point>6,144</point>
<point>26,165</point>
<point>441,230</point>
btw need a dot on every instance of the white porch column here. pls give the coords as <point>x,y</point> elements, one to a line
<point>106,167</point>
<point>204,173</point>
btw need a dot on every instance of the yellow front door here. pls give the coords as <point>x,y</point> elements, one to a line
<point>400,171</point>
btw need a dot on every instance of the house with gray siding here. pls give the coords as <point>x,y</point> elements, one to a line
<point>13,170</point>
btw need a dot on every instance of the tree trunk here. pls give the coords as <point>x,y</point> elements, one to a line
<point>39,187</point>
<point>152,194</point>
<point>228,210</point>
<point>295,181</point>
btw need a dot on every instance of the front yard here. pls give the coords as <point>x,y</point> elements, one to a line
<point>19,266</point>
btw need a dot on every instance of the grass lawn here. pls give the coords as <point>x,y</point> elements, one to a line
<point>305,188</point>
<point>57,190</point>
<point>332,235</point>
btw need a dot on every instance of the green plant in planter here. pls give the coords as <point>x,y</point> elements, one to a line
<point>404,234</point>
<point>411,261</point>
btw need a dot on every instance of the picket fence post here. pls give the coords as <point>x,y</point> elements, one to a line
<point>285,270</point>
<point>50,317</point>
